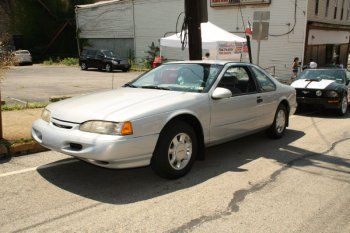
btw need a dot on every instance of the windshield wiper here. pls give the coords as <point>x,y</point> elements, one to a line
<point>130,85</point>
<point>155,87</point>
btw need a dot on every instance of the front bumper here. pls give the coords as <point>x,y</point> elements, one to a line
<point>102,150</point>
<point>121,66</point>
<point>331,103</point>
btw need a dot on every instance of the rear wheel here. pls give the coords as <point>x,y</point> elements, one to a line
<point>279,125</point>
<point>343,106</point>
<point>176,151</point>
<point>83,66</point>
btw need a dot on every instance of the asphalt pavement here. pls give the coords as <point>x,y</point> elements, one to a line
<point>300,183</point>
<point>38,83</point>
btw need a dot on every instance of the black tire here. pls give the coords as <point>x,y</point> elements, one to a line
<point>160,162</point>
<point>342,111</point>
<point>276,131</point>
<point>83,66</point>
<point>108,67</point>
<point>125,70</point>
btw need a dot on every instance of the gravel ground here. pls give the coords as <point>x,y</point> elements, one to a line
<point>38,83</point>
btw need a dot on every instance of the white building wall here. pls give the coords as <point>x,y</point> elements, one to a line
<point>154,18</point>
<point>108,20</point>
<point>276,51</point>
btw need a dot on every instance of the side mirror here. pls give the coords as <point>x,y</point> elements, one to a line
<point>221,93</point>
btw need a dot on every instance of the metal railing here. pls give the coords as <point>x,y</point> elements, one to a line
<point>271,68</point>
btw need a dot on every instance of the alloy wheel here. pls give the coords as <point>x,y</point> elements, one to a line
<point>108,68</point>
<point>180,151</point>
<point>344,105</point>
<point>280,121</point>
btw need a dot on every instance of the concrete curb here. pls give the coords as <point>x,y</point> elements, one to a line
<point>24,148</point>
<point>19,149</point>
<point>53,99</point>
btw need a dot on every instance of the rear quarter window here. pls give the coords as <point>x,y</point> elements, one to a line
<point>266,84</point>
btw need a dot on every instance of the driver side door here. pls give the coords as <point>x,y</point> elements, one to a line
<point>238,115</point>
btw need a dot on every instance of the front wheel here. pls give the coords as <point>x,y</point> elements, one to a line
<point>279,125</point>
<point>83,66</point>
<point>176,151</point>
<point>108,68</point>
<point>343,106</point>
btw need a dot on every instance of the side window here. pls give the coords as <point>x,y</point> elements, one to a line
<point>99,54</point>
<point>238,81</point>
<point>265,82</point>
<point>347,77</point>
<point>91,52</point>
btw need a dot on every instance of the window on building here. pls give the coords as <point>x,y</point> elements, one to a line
<point>342,10</point>
<point>317,2</point>
<point>327,8</point>
<point>348,11</point>
<point>335,9</point>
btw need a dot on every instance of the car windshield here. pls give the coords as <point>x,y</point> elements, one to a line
<point>331,74</point>
<point>179,77</point>
<point>108,53</point>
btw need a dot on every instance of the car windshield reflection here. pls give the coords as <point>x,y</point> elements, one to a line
<point>180,77</point>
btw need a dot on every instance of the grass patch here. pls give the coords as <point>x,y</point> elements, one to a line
<point>68,61</point>
<point>20,140</point>
<point>22,107</point>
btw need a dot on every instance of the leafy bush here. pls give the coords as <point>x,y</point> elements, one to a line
<point>69,61</point>
<point>151,54</point>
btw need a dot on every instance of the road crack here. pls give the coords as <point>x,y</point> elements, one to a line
<point>240,195</point>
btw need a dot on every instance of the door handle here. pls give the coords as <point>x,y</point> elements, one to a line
<point>259,100</point>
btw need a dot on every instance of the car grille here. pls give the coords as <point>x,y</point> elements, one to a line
<point>309,93</point>
<point>63,124</point>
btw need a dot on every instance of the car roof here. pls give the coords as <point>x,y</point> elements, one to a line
<point>210,62</point>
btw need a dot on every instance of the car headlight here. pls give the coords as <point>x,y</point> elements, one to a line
<point>332,94</point>
<point>115,63</point>
<point>46,115</point>
<point>105,127</point>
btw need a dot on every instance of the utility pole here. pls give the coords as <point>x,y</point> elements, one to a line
<point>196,12</point>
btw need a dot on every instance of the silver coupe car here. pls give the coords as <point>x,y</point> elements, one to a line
<point>166,117</point>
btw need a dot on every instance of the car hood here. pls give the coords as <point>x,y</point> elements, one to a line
<point>122,104</point>
<point>307,84</point>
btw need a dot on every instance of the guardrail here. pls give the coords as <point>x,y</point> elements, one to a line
<point>273,68</point>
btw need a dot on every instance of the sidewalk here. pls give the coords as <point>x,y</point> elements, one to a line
<point>17,133</point>
<point>17,124</point>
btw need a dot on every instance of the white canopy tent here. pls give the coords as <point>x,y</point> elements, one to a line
<point>221,44</point>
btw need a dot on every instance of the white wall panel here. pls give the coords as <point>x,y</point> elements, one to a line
<point>106,21</point>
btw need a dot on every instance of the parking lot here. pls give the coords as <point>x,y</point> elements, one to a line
<point>299,183</point>
<point>38,83</point>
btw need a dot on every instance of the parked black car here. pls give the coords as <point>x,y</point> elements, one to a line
<point>102,60</point>
<point>328,88</point>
